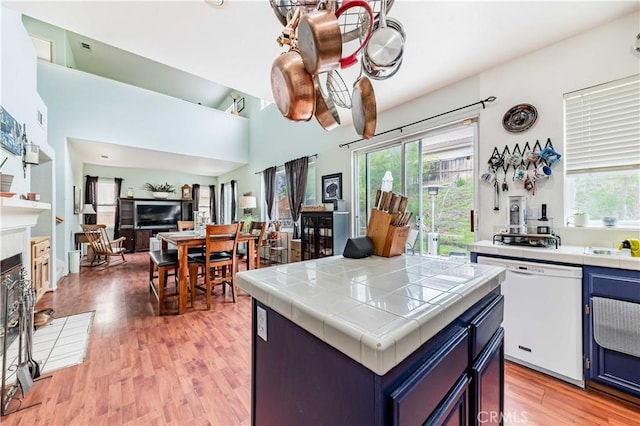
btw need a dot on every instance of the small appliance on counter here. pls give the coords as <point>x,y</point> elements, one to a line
<point>536,233</point>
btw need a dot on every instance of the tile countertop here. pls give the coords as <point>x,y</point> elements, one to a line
<point>375,310</point>
<point>563,254</point>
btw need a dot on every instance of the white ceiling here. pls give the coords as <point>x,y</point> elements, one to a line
<point>234,46</point>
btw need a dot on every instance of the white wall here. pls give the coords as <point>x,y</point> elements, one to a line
<point>87,107</point>
<point>18,95</point>
<point>540,78</point>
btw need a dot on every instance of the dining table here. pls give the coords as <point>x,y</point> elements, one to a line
<point>185,239</point>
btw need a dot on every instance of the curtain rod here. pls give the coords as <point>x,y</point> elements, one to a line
<point>482,102</point>
<point>282,165</point>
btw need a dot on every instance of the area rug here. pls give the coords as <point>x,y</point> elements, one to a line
<point>62,343</point>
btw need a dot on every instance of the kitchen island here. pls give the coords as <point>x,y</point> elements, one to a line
<point>375,341</point>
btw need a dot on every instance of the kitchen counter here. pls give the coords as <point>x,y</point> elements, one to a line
<point>377,310</point>
<point>563,254</point>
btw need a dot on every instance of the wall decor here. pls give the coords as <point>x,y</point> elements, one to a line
<point>331,187</point>
<point>10,133</point>
<point>76,200</point>
<point>520,118</point>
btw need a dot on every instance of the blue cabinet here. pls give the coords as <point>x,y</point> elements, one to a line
<point>487,400</point>
<point>299,379</point>
<point>611,330</point>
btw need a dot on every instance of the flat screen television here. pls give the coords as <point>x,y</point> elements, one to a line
<point>157,214</point>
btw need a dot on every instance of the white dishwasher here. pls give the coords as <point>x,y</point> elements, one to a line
<point>543,317</point>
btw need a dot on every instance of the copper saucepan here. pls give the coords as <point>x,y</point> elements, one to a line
<point>292,86</point>
<point>320,40</point>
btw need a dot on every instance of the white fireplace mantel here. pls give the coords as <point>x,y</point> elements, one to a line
<point>16,213</point>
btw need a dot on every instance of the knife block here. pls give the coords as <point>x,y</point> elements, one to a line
<point>387,240</point>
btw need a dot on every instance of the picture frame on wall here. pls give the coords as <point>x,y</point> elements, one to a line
<point>76,200</point>
<point>10,133</point>
<point>331,187</point>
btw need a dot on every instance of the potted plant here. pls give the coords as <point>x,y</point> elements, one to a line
<point>5,179</point>
<point>159,190</point>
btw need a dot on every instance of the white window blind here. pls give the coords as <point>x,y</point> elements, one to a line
<point>602,127</point>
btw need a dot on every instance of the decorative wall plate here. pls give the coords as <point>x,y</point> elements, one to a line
<point>520,118</point>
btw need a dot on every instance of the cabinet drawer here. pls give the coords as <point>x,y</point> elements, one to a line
<point>418,396</point>
<point>484,325</point>
<point>41,248</point>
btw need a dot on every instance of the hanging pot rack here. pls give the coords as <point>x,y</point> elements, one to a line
<point>481,102</point>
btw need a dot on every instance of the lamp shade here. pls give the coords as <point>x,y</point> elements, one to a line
<point>248,202</point>
<point>88,209</point>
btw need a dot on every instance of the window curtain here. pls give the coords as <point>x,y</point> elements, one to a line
<point>234,214</point>
<point>195,195</point>
<point>269,176</point>
<point>117,187</point>
<point>296,173</point>
<point>212,203</point>
<point>91,197</point>
<point>222,203</point>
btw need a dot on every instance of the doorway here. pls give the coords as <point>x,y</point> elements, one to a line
<point>435,170</point>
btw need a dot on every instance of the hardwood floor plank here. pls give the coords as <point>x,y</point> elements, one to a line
<point>195,369</point>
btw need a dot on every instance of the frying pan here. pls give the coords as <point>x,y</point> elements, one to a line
<point>319,40</point>
<point>363,107</point>
<point>326,112</point>
<point>386,45</point>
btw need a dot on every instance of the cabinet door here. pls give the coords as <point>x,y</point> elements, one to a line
<point>487,398</point>
<point>308,238</point>
<point>142,239</point>
<point>129,242</point>
<point>418,397</point>
<point>453,411</point>
<point>616,293</point>
<point>126,213</point>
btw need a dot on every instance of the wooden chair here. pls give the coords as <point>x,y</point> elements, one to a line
<point>164,261</point>
<point>219,259</point>
<point>103,248</point>
<point>185,225</point>
<point>255,228</point>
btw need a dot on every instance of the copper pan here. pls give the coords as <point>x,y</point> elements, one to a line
<point>363,107</point>
<point>326,112</point>
<point>291,84</point>
<point>320,40</point>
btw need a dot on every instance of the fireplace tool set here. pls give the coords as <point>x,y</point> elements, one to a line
<point>16,310</point>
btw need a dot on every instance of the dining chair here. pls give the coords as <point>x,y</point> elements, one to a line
<point>185,225</point>
<point>103,248</point>
<point>164,261</point>
<point>255,228</point>
<point>219,259</point>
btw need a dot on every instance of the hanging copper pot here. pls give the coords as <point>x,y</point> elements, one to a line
<point>320,40</point>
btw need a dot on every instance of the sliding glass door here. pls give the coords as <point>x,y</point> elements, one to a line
<point>435,170</point>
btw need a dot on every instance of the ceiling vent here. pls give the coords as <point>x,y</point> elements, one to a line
<point>85,46</point>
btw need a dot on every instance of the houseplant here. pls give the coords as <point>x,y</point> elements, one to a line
<point>159,190</point>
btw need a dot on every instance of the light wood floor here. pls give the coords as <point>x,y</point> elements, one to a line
<point>195,369</point>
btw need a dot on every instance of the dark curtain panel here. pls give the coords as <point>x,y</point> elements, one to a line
<point>269,176</point>
<point>195,195</point>
<point>91,197</point>
<point>296,173</point>
<point>234,214</point>
<point>222,203</point>
<point>117,187</point>
<point>212,203</point>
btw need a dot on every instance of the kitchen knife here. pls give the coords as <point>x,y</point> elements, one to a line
<point>376,205</point>
<point>392,203</point>
<point>403,203</point>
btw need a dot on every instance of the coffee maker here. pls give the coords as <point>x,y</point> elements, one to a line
<point>517,215</point>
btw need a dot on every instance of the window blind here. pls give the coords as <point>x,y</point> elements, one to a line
<point>602,127</point>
